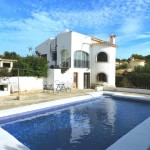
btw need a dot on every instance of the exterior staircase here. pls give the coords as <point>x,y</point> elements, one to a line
<point>65,65</point>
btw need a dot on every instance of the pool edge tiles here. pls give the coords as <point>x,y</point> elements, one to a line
<point>136,139</point>
<point>10,142</point>
<point>27,111</point>
<point>131,97</point>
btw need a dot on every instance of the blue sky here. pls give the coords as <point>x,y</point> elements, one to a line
<point>27,23</point>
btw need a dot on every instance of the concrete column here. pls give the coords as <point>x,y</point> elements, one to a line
<point>1,64</point>
<point>11,64</point>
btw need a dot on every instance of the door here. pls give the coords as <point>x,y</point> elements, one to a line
<point>75,80</point>
<point>86,80</point>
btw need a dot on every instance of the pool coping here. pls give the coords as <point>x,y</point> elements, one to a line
<point>8,142</point>
<point>89,96</point>
<point>138,137</point>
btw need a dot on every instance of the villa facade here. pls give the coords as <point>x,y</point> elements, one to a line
<point>79,60</point>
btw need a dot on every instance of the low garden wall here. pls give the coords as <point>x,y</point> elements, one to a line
<point>25,83</point>
<point>133,90</point>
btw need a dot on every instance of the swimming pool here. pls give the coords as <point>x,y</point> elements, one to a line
<point>94,125</point>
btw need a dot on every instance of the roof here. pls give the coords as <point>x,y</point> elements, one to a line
<point>97,41</point>
<point>120,71</point>
<point>137,60</point>
<point>8,60</point>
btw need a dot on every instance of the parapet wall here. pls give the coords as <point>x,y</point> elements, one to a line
<point>133,90</point>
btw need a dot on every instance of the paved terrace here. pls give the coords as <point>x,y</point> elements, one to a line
<point>38,96</point>
<point>34,97</point>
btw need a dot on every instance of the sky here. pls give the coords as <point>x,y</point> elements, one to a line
<point>25,24</point>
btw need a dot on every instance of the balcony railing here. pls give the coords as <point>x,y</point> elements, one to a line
<point>81,64</point>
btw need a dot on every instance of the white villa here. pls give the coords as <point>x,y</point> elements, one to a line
<point>79,60</point>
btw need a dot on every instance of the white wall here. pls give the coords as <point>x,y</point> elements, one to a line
<point>72,41</point>
<point>81,72</point>
<point>105,67</point>
<point>55,76</point>
<point>26,83</point>
<point>44,48</point>
<point>132,90</point>
<point>6,91</point>
<point>63,42</point>
<point>79,42</point>
<point>133,64</point>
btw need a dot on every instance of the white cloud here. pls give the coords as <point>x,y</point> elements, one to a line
<point>143,36</point>
<point>145,44</point>
<point>131,26</point>
<point>124,18</point>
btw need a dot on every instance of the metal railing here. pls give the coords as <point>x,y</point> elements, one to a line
<point>66,63</point>
<point>81,64</point>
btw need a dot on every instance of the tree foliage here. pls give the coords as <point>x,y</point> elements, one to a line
<point>10,55</point>
<point>123,66</point>
<point>4,72</point>
<point>139,78</point>
<point>31,65</point>
<point>136,56</point>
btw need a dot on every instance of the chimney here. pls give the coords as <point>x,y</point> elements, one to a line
<point>112,38</point>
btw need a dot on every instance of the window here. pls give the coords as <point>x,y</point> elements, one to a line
<point>64,58</point>
<point>101,77</point>
<point>44,56</point>
<point>102,57</point>
<point>81,59</point>
<point>6,65</point>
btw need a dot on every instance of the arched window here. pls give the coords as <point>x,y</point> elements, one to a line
<point>102,57</point>
<point>101,77</point>
<point>81,59</point>
<point>64,57</point>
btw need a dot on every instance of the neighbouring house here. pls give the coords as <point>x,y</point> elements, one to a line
<point>134,63</point>
<point>7,63</point>
<point>129,65</point>
<point>4,81</point>
<point>79,60</point>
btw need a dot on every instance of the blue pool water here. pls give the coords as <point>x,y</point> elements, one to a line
<point>94,125</point>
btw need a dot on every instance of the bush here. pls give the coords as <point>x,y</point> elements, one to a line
<point>122,81</point>
<point>4,72</point>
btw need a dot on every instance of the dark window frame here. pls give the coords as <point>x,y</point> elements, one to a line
<point>102,57</point>
<point>6,65</point>
<point>101,77</point>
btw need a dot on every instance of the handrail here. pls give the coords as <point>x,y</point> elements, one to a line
<point>66,63</point>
